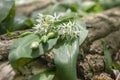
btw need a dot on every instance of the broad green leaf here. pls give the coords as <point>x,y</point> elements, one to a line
<point>45,47</point>
<point>10,22</point>
<point>49,44</point>
<point>107,4</point>
<point>83,32</point>
<point>73,5</point>
<point>65,58</point>
<point>21,22</point>
<point>87,5</point>
<point>21,53</point>
<point>46,75</point>
<point>5,7</point>
<point>21,50</point>
<point>7,19</point>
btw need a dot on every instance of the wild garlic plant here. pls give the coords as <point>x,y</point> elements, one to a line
<point>46,27</point>
<point>51,32</point>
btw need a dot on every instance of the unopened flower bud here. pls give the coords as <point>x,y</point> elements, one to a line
<point>45,25</point>
<point>49,18</point>
<point>51,35</point>
<point>35,45</point>
<point>44,38</point>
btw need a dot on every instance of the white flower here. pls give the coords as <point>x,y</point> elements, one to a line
<point>65,30</point>
<point>40,16</point>
<point>45,24</point>
<point>56,17</point>
<point>68,30</point>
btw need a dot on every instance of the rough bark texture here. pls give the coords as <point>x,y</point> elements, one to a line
<point>27,9</point>
<point>104,26</point>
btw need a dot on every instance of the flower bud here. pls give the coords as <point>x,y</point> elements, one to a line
<point>51,35</point>
<point>49,18</point>
<point>45,25</point>
<point>44,38</point>
<point>34,45</point>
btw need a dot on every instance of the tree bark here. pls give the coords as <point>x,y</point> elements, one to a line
<point>27,9</point>
<point>105,26</point>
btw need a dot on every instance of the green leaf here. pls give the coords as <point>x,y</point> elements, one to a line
<point>116,66</point>
<point>21,50</point>
<point>49,44</point>
<point>46,75</point>
<point>65,58</point>
<point>45,47</point>
<point>7,13</point>
<point>108,58</point>
<point>21,22</point>
<point>25,34</point>
<point>87,5</point>
<point>83,32</point>
<point>7,19</point>
<point>5,7</point>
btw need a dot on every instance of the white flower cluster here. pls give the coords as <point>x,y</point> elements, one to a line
<point>69,30</point>
<point>46,25</point>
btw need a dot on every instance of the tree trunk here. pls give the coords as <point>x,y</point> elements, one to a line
<point>105,26</point>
